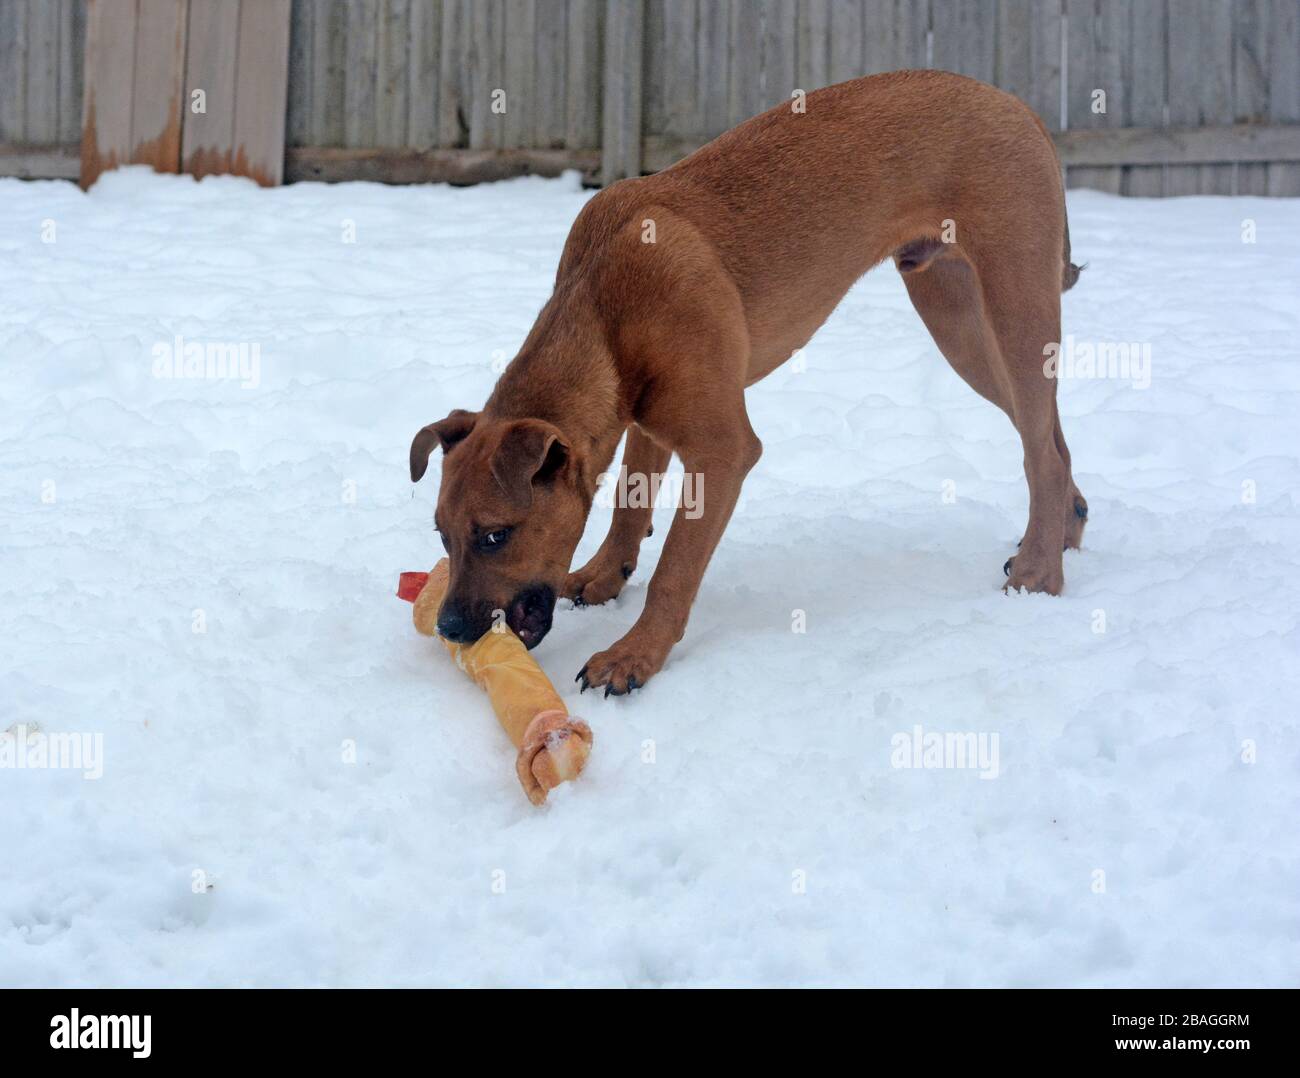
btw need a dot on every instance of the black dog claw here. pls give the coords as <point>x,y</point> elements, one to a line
<point>1006,569</point>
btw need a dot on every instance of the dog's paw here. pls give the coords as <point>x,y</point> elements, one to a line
<point>1021,572</point>
<point>595,584</point>
<point>628,665</point>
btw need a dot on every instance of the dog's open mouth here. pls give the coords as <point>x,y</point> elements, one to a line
<point>530,614</point>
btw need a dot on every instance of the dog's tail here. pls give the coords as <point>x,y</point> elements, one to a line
<point>1069,271</point>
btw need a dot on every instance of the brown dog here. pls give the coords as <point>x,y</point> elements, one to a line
<point>678,290</point>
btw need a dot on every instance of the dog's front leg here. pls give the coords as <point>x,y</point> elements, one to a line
<point>602,578</point>
<point>714,474</point>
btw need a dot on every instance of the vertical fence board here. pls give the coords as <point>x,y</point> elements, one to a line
<point>41,109</point>
<point>422,75</point>
<point>1284,87</point>
<point>780,48</point>
<point>359,73</point>
<point>814,58</point>
<point>846,40</point>
<point>585,77</point>
<point>72,49</point>
<point>682,114</point>
<point>208,137</point>
<point>1183,87</point>
<point>110,63</point>
<point>1045,62</point>
<point>299,109</point>
<point>328,78</point>
<point>261,90</point>
<point>552,70</point>
<point>13,71</point>
<point>963,37</point>
<point>520,74</point>
<point>159,84</point>
<point>1250,83</point>
<point>1095,62</point>
<point>1146,97</point>
<point>744,71</point>
<point>486,59</point>
<point>624,52</point>
<point>713,59</point>
<point>1215,19</point>
<point>393,38</point>
<point>453,111</point>
<point>653,110</point>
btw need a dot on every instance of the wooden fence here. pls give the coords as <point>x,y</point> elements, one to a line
<point>1200,96</point>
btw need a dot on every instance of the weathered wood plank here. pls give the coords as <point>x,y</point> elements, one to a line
<point>328,72</point>
<point>680,75</point>
<point>745,69</point>
<point>453,108</point>
<point>519,77</point>
<point>109,67</point>
<point>846,40</point>
<point>422,75</point>
<point>1215,87</point>
<point>653,84</point>
<point>262,91</point>
<point>42,89</point>
<point>813,69</point>
<point>298,119</point>
<point>1147,147</point>
<point>486,66</point>
<point>713,66</point>
<point>1284,86</point>
<point>549,109</point>
<point>1169,146</point>
<point>159,84</point>
<point>392,73</point>
<point>1046,55</point>
<point>45,163</point>
<point>1095,80</point>
<point>1146,88</point>
<point>13,71</point>
<point>360,73</point>
<point>624,54</point>
<point>1250,83</point>
<point>334,164</point>
<point>780,49</point>
<point>586,74</point>
<point>72,55</point>
<point>964,33</point>
<point>208,136</point>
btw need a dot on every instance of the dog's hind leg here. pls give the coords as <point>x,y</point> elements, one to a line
<point>989,332</point>
<point>603,577</point>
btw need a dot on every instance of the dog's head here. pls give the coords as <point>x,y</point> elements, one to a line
<point>510,513</point>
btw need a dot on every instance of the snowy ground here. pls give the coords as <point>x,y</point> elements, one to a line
<point>1142,825</point>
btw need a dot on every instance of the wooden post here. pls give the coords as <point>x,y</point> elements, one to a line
<point>624,55</point>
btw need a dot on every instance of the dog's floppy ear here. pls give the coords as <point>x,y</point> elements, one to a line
<point>446,433</point>
<point>531,451</point>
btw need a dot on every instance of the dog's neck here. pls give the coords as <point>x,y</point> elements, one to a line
<point>564,374</point>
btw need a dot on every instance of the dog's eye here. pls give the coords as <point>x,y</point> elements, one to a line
<point>493,539</point>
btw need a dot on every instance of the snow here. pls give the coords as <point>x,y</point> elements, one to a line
<point>741,820</point>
